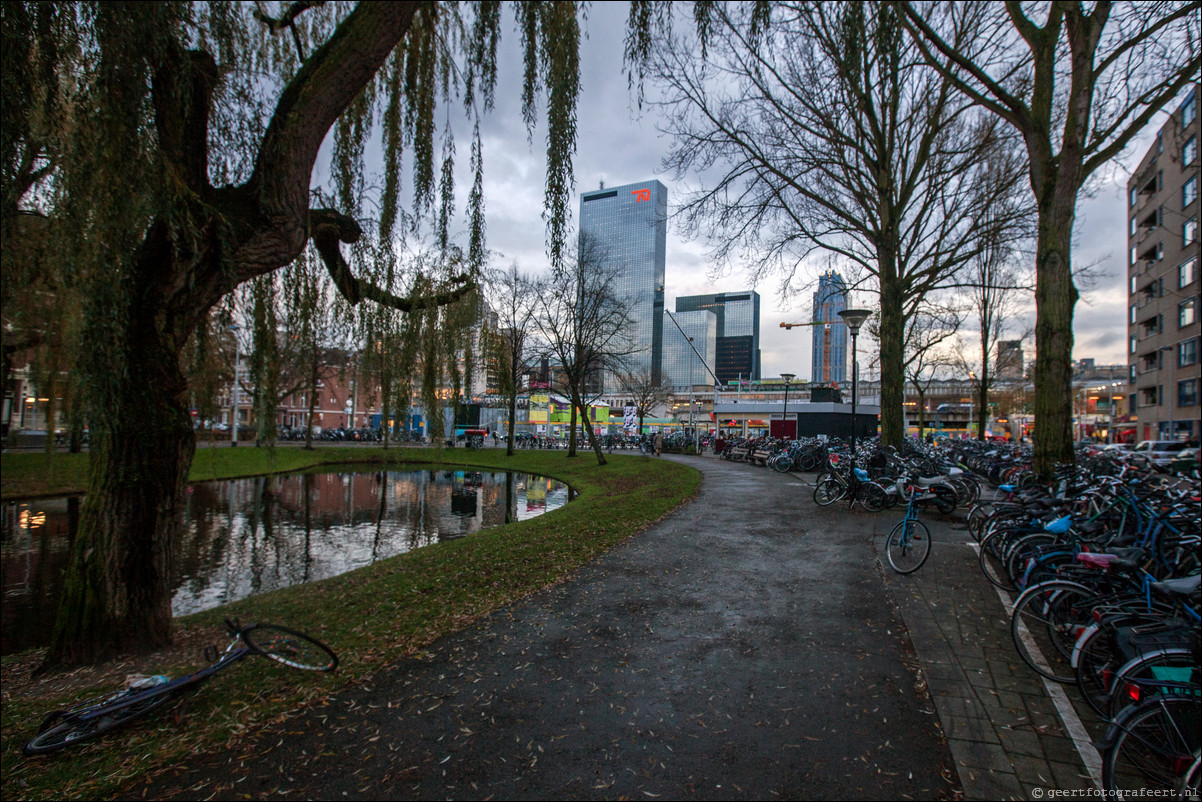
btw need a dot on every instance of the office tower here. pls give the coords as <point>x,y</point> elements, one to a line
<point>1162,284</point>
<point>629,223</point>
<point>830,338</point>
<point>738,321</point>
<point>682,366</point>
<point>1009,359</point>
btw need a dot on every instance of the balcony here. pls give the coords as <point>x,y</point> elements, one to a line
<point>1148,182</point>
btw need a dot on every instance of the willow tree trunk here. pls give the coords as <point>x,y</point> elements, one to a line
<point>893,377</point>
<point>1055,298</point>
<point>141,450</point>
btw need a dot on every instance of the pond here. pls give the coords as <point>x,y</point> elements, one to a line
<point>248,536</point>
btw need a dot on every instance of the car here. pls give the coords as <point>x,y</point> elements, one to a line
<point>1159,452</point>
<point>1118,448</point>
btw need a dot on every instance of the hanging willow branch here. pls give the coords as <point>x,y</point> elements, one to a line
<point>329,228</point>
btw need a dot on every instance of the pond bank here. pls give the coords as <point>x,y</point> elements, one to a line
<point>372,616</point>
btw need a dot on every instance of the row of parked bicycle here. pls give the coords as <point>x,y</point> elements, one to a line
<point>1106,564</point>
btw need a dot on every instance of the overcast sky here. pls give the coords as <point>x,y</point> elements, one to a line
<point>618,146</point>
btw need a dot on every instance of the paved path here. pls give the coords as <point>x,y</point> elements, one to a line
<point>749,646</point>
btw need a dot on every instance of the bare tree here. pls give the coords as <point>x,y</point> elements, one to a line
<point>994,294</point>
<point>516,303</point>
<point>927,330</point>
<point>646,392</point>
<point>825,132</point>
<point>1077,87</point>
<point>586,325</point>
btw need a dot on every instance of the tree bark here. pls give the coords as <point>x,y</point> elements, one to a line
<point>1055,298</point>
<point>893,327</point>
<point>117,598</point>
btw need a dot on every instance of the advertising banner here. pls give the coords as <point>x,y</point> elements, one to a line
<point>540,409</point>
<point>630,420</point>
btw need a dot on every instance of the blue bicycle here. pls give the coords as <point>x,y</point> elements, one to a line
<point>909,542</point>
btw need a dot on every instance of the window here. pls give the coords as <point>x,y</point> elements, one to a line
<point>1133,227</point>
<point>1134,282</point>
<point>1187,393</point>
<point>1134,312</point>
<point>1134,256</point>
<point>1189,152</point>
<point>1189,109</point>
<point>1134,343</point>
<point>1189,191</point>
<point>1135,192</point>
<point>1187,273</point>
<point>1187,313</point>
<point>1187,353</point>
<point>1189,232</point>
<point>1131,375</point>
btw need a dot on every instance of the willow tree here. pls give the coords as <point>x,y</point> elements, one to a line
<point>1078,82</point>
<point>191,133</point>
<point>821,131</point>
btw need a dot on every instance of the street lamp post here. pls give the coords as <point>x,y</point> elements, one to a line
<point>1110,410</point>
<point>854,318</point>
<point>784,428</point>
<point>692,431</point>
<point>972,400</point>
<point>234,396</point>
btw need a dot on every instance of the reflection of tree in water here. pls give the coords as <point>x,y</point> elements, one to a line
<point>247,536</point>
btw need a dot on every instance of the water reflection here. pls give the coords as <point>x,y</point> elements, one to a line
<point>248,536</point>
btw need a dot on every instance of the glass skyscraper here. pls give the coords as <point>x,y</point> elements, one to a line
<point>830,338</point>
<point>681,366</point>
<point>738,320</point>
<point>630,224</point>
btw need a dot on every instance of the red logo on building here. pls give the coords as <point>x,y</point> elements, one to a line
<point>641,194</point>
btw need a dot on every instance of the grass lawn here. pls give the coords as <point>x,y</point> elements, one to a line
<point>371,617</point>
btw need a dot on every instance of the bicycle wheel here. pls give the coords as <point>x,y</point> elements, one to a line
<point>293,649</point>
<point>71,729</point>
<point>1094,668</point>
<point>991,564</point>
<point>871,496</point>
<point>908,546</point>
<point>1155,745</point>
<point>1046,622</point>
<point>1160,664</point>
<point>828,491</point>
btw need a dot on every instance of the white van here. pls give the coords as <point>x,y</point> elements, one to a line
<point>1159,452</point>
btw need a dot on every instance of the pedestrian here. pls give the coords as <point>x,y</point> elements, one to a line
<point>659,443</point>
<point>494,438</point>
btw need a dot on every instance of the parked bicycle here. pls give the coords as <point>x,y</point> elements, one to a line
<point>103,714</point>
<point>909,542</point>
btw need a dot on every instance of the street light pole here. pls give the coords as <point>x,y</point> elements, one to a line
<point>854,318</point>
<point>692,431</point>
<point>784,428</point>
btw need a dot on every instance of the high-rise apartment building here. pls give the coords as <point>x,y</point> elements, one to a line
<point>683,366</point>
<point>830,332</point>
<point>630,225</point>
<point>737,315</point>
<point>1162,315</point>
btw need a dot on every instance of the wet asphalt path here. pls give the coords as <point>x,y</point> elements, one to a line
<point>743,648</point>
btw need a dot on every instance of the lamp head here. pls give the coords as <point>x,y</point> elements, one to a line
<point>788,377</point>
<point>854,318</point>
